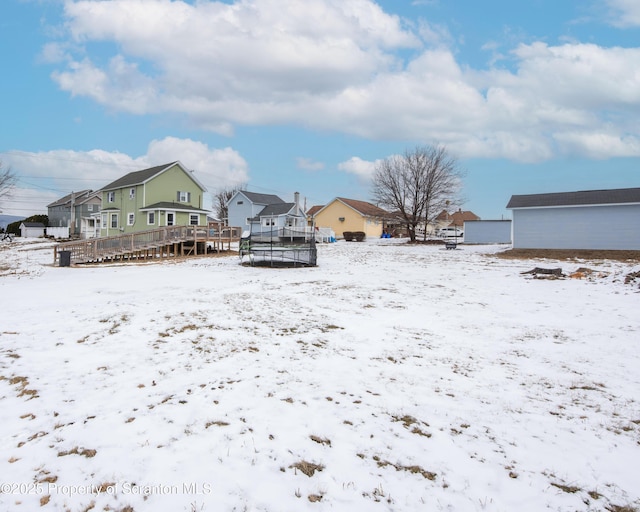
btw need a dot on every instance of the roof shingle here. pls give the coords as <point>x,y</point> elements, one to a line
<point>137,177</point>
<point>584,197</point>
<point>366,209</point>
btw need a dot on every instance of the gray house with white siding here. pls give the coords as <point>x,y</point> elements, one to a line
<point>589,219</point>
<point>244,206</point>
<point>78,211</point>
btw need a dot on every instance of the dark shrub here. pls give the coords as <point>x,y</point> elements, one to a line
<point>348,236</point>
<point>359,236</point>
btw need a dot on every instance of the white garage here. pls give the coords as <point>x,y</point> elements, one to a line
<point>487,232</point>
<point>589,219</point>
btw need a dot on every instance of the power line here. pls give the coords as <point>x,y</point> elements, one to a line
<point>42,156</point>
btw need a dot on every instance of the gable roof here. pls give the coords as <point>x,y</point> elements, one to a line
<point>141,177</point>
<point>276,209</point>
<point>265,199</point>
<point>79,197</point>
<point>580,198</point>
<point>363,208</point>
<point>458,218</point>
<point>314,209</point>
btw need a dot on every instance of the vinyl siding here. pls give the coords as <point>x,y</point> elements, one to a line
<point>610,227</point>
<point>165,186</point>
<point>329,217</point>
<point>487,232</point>
<point>239,213</point>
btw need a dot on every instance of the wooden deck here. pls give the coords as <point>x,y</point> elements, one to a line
<point>166,242</point>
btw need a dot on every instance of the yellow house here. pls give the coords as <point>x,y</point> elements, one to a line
<point>343,214</point>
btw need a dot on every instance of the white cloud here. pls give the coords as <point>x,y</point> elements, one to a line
<point>251,62</point>
<point>306,164</point>
<point>80,170</point>
<point>601,145</point>
<point>25,202</point>
<point>625,13</point>
<point>363,169</point>
<point>342,66</point>
<point>215,168</point>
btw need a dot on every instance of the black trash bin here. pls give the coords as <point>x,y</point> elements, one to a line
<point>65,259</point>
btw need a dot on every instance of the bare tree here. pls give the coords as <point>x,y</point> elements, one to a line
<point>221,199</point>
<point>417,185</point>
<point>7,181</point>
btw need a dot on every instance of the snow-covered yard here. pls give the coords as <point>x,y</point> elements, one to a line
<point>390,377</point>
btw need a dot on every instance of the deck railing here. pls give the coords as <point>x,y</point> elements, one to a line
<point>95,249</point>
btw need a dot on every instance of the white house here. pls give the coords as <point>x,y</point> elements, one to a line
<point>590,219</point>
<point>264,213</point>
<point>244,206</point>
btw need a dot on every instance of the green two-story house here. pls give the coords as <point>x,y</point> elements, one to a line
<point>165,195</point>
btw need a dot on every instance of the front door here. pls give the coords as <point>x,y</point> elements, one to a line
<point>171,218</point>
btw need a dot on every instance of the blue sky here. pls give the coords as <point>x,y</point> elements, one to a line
<point>536,96</point>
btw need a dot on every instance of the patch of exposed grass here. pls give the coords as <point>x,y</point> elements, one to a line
<point>411,422</point>
<point>217,423</point>
<point>406,420</point>
<point>571,489</point>
<point>320,440</point>
<point>89,453</point>
<point>330,327</point>
<point>411,469</point>
<point>420,432</point>
<point>22,383</point>
<point>188,327</point>
<point>307,468</point>
<point>569,254</point>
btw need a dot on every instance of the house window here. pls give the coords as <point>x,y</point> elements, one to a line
<point>151,218</point>
<point>111,197</point>
<point>194,219</point>
<point>240,202</point>
<point>268,221</point>
<point>184,197</point>
<point>114,220</point>
<point>104,221</point>
<point>89,207</point>
<point>132,193</point>
<point>131,218</point>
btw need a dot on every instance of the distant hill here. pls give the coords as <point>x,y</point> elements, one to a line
<point>5,220</point>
